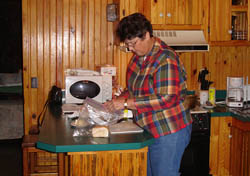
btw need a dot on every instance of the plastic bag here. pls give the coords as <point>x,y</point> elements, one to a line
<point>93,113</point>
<point>99,114</point>
<point>82,124</point>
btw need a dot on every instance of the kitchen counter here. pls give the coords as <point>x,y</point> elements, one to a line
<point>56,135</point>
<point>118,154</point>
<point>221,110</point>
<point>224,111</point>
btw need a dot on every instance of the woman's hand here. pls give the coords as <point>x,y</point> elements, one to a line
<point>115,104</point>
<point>118,104</point>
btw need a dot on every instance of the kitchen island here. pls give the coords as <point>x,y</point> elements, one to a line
<point>229,142</point>
<point>119,154</point>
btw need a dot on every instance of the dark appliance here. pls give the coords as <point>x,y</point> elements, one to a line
<point>195,160</point>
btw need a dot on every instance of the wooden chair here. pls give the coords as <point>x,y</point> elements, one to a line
<point>39,162</point>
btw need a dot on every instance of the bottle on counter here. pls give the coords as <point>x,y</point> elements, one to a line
<point>125,111</point>
<point>211,93</point>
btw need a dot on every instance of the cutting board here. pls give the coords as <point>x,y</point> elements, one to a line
<point>125,128</point>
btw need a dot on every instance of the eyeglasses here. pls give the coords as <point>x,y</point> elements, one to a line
<point>131,44</point>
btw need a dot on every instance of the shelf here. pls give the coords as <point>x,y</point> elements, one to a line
<point>239,8</point>
<point>231,43</point>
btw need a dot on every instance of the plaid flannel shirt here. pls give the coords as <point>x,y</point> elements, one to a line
<point>157,83</point>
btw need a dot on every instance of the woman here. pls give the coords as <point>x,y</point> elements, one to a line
<point>156,81</point>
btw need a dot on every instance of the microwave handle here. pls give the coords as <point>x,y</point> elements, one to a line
<point>87,72</point>
<point>81,72</point>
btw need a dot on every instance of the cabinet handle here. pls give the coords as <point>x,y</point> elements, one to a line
<point>230,31</point>
<point>123,12</point>
<point>230,136</point>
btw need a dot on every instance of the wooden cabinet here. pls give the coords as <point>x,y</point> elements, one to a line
<point>220,24</point>
<point>181,14</point>
<point>231,24</point>
<point>174,12</point>
<point>229,147</point>
<point>106,163</point>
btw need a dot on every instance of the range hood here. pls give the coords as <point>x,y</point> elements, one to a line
<point>183,40</point>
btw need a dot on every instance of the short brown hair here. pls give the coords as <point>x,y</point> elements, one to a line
<point>134,25</point>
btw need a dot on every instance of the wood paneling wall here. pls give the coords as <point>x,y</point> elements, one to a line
<point>220,61</point>
<point>61,34</point>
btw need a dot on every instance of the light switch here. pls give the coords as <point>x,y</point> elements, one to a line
<point>34,82</point>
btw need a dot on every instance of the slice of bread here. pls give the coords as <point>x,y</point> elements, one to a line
<point>100,131</point>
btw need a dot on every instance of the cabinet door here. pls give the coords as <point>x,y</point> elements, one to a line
<point>229,147</point>
<point>220,139</point>
<point>240,148</point>
<point>181,12</point>
<point>220,20</point>
<point>236,151</point>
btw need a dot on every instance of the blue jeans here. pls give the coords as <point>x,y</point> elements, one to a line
<point>164,156</point>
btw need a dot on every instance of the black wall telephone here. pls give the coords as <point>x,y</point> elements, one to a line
<point>55,96</point>
<point>54,103</point>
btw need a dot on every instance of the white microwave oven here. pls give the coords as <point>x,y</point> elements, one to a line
<point>95,86</point>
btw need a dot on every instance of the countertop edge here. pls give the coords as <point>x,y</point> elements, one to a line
<point>225,114</point>
<point>98,147</point>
